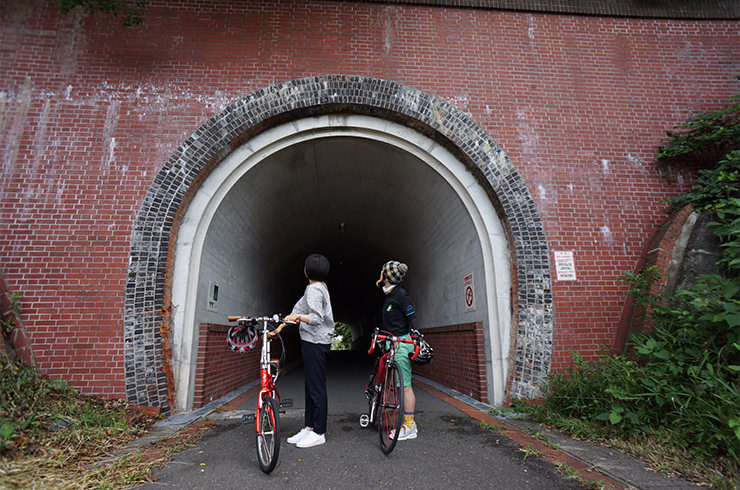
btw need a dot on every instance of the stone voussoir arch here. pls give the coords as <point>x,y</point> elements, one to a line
<point>146,317</point>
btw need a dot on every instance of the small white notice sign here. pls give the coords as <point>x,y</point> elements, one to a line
<point>565,268</point>
<point>469,288</point>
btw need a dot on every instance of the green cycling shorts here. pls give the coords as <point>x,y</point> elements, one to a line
<point>403,361</point>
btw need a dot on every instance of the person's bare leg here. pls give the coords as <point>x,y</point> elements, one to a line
<point>409,399</point>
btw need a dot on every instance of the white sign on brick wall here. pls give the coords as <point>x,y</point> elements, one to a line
<point>565,267</point>
<point>469,292</point>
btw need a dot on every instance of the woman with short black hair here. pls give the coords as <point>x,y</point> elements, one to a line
<point>314,315</point>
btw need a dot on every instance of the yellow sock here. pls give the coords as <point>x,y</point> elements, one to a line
<point>408,419</point>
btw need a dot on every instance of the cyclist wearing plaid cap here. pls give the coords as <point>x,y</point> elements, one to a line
<point>398,318</point>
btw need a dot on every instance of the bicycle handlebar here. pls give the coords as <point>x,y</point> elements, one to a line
<point>393,338</point>
<point>269,319</point>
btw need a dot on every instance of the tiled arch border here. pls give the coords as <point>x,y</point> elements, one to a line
<point>147,363</point>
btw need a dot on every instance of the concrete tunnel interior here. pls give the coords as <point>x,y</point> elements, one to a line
<point>358,200</point>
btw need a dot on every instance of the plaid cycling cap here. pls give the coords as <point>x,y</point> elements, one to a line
<point>394,271</point>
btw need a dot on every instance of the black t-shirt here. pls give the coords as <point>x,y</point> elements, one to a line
<point>398,312</point>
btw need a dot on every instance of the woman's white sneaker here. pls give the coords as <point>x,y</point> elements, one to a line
<point>295,439</point>
<point>311,439</point>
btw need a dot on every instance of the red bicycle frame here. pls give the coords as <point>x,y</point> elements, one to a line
<point>394,342</point>
<point>385,392</point>
<point>269,403</point>
<point>267,378</point>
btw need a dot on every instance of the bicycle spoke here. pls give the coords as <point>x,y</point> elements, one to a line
<point>268,435</point>
<point>391,408</point>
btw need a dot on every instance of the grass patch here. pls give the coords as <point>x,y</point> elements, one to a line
<point>547,442</point>
<point>500,411</point>
<point>136,467</point>
<point>657,449</point>
<point>493,427</point>
<point>529,451</point>
<point>572,474</point>
<point>51,435</point>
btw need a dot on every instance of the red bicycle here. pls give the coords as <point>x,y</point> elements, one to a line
<point>241,338</point>
<point>385,390</point>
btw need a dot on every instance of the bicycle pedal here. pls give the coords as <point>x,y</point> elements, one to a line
<point>249,418</point>
<point>286,403</point>
<point>364,420</point>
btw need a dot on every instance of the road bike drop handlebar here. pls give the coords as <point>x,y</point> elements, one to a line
<point>377,335</point>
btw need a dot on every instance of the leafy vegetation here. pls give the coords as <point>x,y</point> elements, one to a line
<point>50,433</point>
<point>7,320</point>
<point>129,11</point>
<point>680,387</point>
<point>342,339</point>
<point>7,325</point>
<point>704,137</point>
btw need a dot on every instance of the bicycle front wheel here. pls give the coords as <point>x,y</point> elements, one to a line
<point>390,416</point>
<point>268,435</point>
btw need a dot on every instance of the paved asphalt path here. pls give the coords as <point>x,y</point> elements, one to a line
<point>452,449</point>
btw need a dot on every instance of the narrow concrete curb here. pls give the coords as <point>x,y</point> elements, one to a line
<point>613,464</point>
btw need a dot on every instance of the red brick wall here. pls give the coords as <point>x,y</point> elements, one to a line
<point>659,253</point>
<point>90,111</point>
<point>219,370</point>
<point>459,359</point>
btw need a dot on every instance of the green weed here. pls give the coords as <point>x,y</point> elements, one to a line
<point>675,398</point>
<point>49,433</point>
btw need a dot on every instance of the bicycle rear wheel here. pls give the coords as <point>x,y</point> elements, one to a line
<point>268,435</point>
<point>390,416</point>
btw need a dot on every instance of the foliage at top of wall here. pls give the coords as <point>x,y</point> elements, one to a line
<point>713,140</point>
<point>705,138</point>
<point>128,11</point>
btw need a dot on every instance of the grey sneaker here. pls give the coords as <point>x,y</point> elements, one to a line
<point>407,432</point>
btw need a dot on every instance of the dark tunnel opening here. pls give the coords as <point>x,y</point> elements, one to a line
<point>357,201</point>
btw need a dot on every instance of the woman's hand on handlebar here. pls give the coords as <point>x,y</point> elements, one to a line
<point>292,318</point>
<point>288,320</point>
<point>277,331</point>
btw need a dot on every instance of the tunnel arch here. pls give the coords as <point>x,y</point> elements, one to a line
<point>263,164</point>
<point>335,106</point>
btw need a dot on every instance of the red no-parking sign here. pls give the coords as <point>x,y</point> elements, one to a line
<point>469,292</point>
